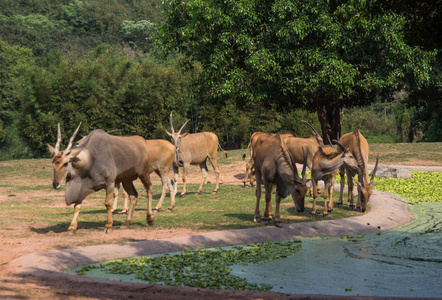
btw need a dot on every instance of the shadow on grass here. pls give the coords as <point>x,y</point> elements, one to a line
<point>94,225</point>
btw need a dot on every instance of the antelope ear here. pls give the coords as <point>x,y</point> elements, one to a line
<point>184,135</point>
<point>75,152</point>
<point>168,133</point>
<point>51,150</point>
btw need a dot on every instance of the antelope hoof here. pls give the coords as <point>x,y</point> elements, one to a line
<point>359,209</point>
<point>126,225</point>
<point>313,214</point>
<point>329,210</point>
<point>71,232</point>
<point>155,210</point>
<point>339,204</point>
<point>351,207</point>
<point>123,213</point>
<point>257,219</point>
<point>278,224</point>
<point>171,208</point>
<point>300,210</point>
<point>214,192</point>
<point>325,215</point>
<point>150,222</point>
<point>108,230</point>
<point>182,195</point>
<point>265,221</point>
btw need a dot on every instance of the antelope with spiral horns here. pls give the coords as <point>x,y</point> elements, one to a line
<point>194,149</point>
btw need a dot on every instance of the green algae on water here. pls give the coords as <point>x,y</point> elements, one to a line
<point>200,268</point>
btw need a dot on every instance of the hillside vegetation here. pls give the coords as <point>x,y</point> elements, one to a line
<point>104,64</point>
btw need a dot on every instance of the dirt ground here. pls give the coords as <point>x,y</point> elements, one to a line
<point>13,245</point>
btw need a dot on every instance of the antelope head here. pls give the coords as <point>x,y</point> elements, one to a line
<point>315,134</point>
<point>349,160</point>
<point>299,184</point>
<point>61,160</point>
<point>175,138</point>
<point>365,187</point>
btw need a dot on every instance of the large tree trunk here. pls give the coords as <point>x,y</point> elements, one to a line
<point>330,119</point>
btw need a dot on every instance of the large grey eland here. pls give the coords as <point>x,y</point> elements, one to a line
<point>194,149</point>
<point>99,162</point>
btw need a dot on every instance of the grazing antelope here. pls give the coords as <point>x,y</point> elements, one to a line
<point>358,146</point>
<point>162,155</point>
<point>294,144</point>
<point>194,149</point>
<point>275,166</point>
<point>325,164</point>
<point>99,162</point>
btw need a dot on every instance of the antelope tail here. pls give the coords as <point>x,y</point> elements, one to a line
<point>221,149</point>
<point>245,153</point>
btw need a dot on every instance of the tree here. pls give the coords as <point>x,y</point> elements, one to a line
<point>307,54</point>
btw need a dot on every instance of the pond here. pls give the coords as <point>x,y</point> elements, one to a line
<point>404,262</point>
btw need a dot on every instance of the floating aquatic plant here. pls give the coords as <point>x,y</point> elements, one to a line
<point>423,187</point>
<point>201,268</point>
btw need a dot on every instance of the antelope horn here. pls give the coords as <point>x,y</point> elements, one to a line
<point>374,170</point>
<point>311,127</point>
<point>57,144</point>
<point>284,150</point>
<point>340,145</point>
<point>73,137</point>
<point>331,144</point>
<point>304,166</point>
<point>112,131</point>
<point>171,124</point>
<point>182,127</point>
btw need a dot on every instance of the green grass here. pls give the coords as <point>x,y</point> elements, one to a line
<point>30,201</point>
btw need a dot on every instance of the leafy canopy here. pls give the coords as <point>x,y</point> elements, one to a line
<point>302,53</point>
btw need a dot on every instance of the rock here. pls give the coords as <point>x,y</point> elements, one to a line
<point>392,172</point>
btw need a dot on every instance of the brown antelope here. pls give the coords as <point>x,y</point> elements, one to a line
<point>99,162</point>
<point>249,165</point>
<point>162,155</point>
<point>325,164</point>
<point>358,146</point>
<point>194,149</point>
<point>294,144</point>
<point>275,166</point>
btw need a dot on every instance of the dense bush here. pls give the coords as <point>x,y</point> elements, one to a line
<point>92,61</point>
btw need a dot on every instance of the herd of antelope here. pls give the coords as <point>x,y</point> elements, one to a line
<point>104,161</point>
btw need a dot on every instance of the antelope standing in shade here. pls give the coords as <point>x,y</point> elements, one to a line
<point>325,164</point>
<point>99,162</point>
<point>358,146</point>
<point>275,166</point>
<point>194,149</point>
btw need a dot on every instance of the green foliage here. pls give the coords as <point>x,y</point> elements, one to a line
<point>138,34</point>
<point>423,187</point>
<point>107,90</point>
<point>286,54</point>
<point>200,268</point>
